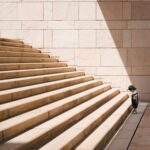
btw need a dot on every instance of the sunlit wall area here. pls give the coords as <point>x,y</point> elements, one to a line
<point>109,39</point>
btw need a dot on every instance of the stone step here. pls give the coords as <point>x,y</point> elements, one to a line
<point>107,129</point>
<point>11,40</point>
<point>14,44</point>
<point>19,49</point>
<point>40,134</point>
<point>22,54</point>
<point>20,66</point>
<point>17,93</point>
<point>20,82</point>
<point>11,109</point>
<point>26,60</point>
<point>30,119</point>
<point>33,72</point>
<point>74,135</point>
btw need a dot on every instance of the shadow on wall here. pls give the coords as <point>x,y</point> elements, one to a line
<point>128,35</point>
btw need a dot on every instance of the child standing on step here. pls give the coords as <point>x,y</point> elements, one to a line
<point>134,98</point>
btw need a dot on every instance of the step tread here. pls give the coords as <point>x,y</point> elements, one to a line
<point>38,76</point>
<point>48,126</point>
<point>11,40</point>
<point>37,69</point>
<point>26,81</point>
<point>17,66</point>
<point>40,85</point>
<point>8,60</point>
<point>12,74</point>
<point>31,63</point>
<point>19,49</point>
<point>26,58</point>
<point>99,134</point>
<point>67,138</point>
<point>14,44</point>
<point>22,54</point>
<point>28,115</point>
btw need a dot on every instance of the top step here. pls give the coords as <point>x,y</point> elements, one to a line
<point>14,44</point>
<point>10,40</point>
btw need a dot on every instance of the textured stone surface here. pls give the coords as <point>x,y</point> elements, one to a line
<point>144,13</point>
<point>65,11</point>
<point>65,38</point>
<point>84,13</point>
<point>109,10</point>
<point>26,11</point>
<point>87,38</point>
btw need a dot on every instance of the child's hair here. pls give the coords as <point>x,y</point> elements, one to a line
<point>131,87</point>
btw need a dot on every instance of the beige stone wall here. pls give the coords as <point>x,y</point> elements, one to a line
<point>108,38</point>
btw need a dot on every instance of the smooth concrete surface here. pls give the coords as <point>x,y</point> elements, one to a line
<point>141,139</point>
<point>122,139</point>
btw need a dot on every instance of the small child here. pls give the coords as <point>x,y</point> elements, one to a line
<point>134,98</point>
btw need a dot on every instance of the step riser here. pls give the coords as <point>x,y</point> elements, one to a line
<point>9,133</point>
<point>33,81</point>
<point>21,54</point>
<point>28,73</point>
<point>14,44</point>
<point>7,113</point>
<point>51,134</point>
<point>34,91</point>
<point>30,66</point>
<point>106,139</point>
<point>26,60</point>
<point>19,49</point>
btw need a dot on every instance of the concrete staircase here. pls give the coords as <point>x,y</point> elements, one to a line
<point>47,105</point>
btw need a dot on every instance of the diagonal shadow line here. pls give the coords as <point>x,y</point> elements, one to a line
<point>114,20</point>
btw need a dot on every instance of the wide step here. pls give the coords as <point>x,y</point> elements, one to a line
<point>34,72</point>
<point>18,66</point>
<point>22,54</point>
<point>26,60</point>
<point>14,44</point>
<point>20,82</point>
<point>11,40</point>
<point>19,49</point>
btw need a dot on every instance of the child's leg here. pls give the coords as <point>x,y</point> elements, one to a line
<point>135,110</point>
